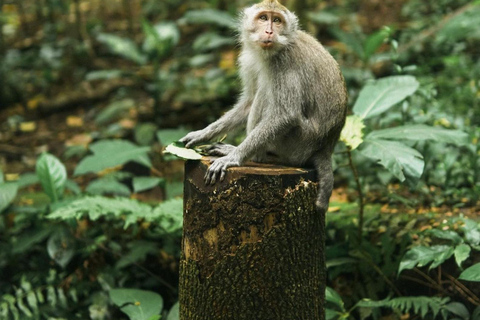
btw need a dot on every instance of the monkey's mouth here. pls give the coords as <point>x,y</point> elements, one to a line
<point>266,43</point>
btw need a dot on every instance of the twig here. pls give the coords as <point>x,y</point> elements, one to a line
<point>360,193</point>
<point>431,31</point>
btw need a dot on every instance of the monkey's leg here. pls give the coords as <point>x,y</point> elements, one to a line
<point>323,164</point>
<point>220,149</point>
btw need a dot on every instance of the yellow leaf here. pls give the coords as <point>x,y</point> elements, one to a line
<point>352,134</point>
<point>12,176</point>
<point>73,121</point>
<point>28,126</point>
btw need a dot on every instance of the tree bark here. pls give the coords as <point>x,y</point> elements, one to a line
<point>253,245</point>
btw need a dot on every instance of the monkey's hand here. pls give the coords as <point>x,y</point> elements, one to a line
<point>193,138</point>
<point>220,149</point>
<point>218,168</point>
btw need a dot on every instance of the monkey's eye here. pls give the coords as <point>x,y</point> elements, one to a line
<point>263,17</point>
<point>277,20</point>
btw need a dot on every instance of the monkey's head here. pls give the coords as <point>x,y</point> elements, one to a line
<point>268,25</point>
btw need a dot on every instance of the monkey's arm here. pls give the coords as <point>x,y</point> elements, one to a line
<point>231,120</point>
<point>267,130</point>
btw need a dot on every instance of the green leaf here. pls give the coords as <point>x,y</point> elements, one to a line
<point>61,247</point>
<point>137,304</point>
<point>375,40</point>
<point>471,230</point>
<point>8,192</point>
<point>108,186</point>
<point>183,153</point>
<point>145,183</point>
<point>379,96</point>
<point>97,207</point>
<point>352,134</point>
<point>174,313</point>
<point>458,309</point>
<point>114,111</point>
<point>145,133</point>
<point>169,136</point>
<point>52,175</point>
<point>398,158</point>
<point>420,132</point>
<point>28,239</point>
<point>333,297</point>
<point>123,47</point>
<point>210,16</point>
<point>27,179</point>
<point>112,153</point>
<point>471,274</point>
<point>137,253</point>
<point>421,256</point>
<point>169,215</point>
<point>211,41</point>
<point>446,235</point>
<point>160,39</point>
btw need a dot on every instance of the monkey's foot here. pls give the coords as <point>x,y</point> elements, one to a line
<point>218,169</point>
<point>220,149</point>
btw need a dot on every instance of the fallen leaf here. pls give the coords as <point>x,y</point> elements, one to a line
<point>74,121</point>
<point>28,126</point>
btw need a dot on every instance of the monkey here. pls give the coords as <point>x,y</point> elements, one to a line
<point>293,102</point>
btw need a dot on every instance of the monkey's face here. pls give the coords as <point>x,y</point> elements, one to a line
<point>269,27</point>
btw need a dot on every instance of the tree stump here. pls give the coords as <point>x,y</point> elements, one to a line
<point>253,245</point>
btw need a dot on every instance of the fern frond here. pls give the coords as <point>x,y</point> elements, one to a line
<point>420,305</point>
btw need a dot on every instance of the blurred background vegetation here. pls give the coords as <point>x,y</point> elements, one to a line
<point>91,91</point>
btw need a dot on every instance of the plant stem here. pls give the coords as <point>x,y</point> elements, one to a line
<point>361,202</point>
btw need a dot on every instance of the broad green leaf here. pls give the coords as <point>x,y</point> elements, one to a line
<point>169,136</point>
<point>210,16</point>
<point>211,41</point>
<point>123,47</point>
<point>112,153</point>
<point>184,153</point>
<point>27,179</point>
<point>61,247</point>
<point>160,39</point>
<point>420,132</point>
<point>458,309</point>
<point>145,183</point>
<point>52,175</point>
<point>379,96</point>
<point>8,192</point>
<point>471,230</point>
<point>137,304</point>
<point>174,313</point>
<point>114,111</point>
<point>173,189</point>
<point>398,158</point>
<point>108,186</point>
<point>333,297</point>
<point>421,256</point>
<point>471,274</point>
<point>446,235</point>
<point>461,253</point>
<point>352,134</point>
<point>27,240</point>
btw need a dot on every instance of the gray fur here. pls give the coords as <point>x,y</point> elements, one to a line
<point>293,105</point>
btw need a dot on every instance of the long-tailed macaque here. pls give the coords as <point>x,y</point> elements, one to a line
<point>293,101</point>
